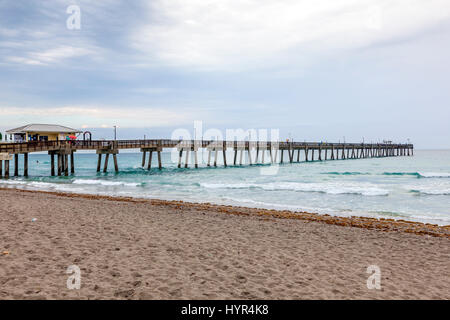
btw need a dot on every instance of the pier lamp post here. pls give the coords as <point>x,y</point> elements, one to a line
<point>115,132</point>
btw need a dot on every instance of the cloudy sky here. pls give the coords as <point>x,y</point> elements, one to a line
<point>316,70</point>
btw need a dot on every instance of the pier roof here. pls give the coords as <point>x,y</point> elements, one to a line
<point>42,128</point>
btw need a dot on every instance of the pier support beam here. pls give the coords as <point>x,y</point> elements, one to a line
<point>150,156</point>
<point>16,165</point>
<point>143,158</point>
<point>291,154</point>
<point>105,168</point>
<point>257,154</point>
<point>107,153</point>
<point>180,156</point>
<point>60,161</point>
<point>6,168</point>
<point>66,164</point>
<point>52,164</point>
<point>5,157</point>
<point>116,166</point>
<point>25,164</point>
<point>99,162</point>
<point>186,163</point>
<point>72,163</point>
<point>159,160</point>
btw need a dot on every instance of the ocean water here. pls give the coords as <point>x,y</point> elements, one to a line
<point>411,188</point>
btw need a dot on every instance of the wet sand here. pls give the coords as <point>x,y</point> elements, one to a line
<point>154,249</point>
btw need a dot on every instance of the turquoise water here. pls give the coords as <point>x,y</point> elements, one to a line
<point>411,188</point>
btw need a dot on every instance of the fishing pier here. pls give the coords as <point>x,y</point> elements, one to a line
<point>61,152</point>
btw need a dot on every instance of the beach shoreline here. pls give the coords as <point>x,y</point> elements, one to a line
<point>130,248</point>
<point>384,224</point>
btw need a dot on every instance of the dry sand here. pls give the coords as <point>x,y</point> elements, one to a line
<point>172,250</point>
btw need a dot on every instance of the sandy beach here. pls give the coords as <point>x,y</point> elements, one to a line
<point>154,249</point>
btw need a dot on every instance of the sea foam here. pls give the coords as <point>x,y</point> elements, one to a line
<point>434,174</point>
<point>105,183</point>
<point>365,190</point>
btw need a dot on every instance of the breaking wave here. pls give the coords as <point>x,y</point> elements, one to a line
<point>105,183</point>
<point>335,189</point>
<point>433,174</point>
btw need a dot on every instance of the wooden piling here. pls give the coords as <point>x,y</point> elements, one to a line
<point>257,154</point>
<point>224,153</point>
<point>180,156</point>
<point>59,164</point>
<point>306,154</point>
<point>99,162</point>
<point>143,158</point>
<point>116,166</point>
<point>291,155</point>
<point>16,165</point>
<point>25,164</point>
<point>52,164</point>
<point>105,168</point>
<point>215,157</point>
<point>159,160</point>
<point>196,159</point>
<point>72,163</point>
<point>186,163</point>
<point>66,164</point>
<point>149,165</point>
<point>6,168</point>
